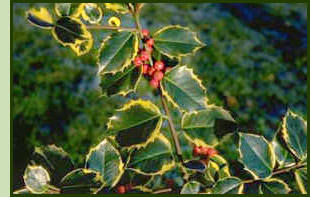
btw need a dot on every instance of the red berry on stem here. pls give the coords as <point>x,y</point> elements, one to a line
<point>151,71</point>
<point>170,182</point>
<point>158,75</point>
<point>138,62</point>
<point>154,83</point>
<point>149,49</point>
<point>204,151</point>
<point>129,187</point>
<point>121,189</point>
<point>144,55</point>
<point>159,65</point>
<point>212,152</point>
<point>145,32</point>
<point>196,151</point>
<point>150,42</point>
<point>145,69</point>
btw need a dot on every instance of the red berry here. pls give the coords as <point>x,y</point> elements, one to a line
<point>151,71</point>
<point>158,75</point>
<point>150,42</point>
<point>145,32</point>
<point>170,182</point>
<point>144,55</point>
<point>204,151</point>
<point>212,152</point>
<point>138,62</point>
<point>149,50</point>
<point>159,65</point>
<point>196,151</point>
<point>129,187</point>
<point>121,189</point>
<point>154,83</point>
<point>167,69</point>
<point>145,69</point>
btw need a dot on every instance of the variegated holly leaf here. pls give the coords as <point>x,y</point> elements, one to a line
<point>69,31</point>
<point>122,82</point>
<point>192,187</point>
<point>257,155</point>
<point>117,52</point>
<point>301,180</point>
<point>68,9</point>
<point>274,186</point>
<point>22,191</point>
<point>283,157</point>
<point>175,41</point>
<point>183,89</point>
<point>121,8</point>
<point>154,158</point>
<point>91,12</point>
<point>294,132</point>
<point>230,185</point>
<point>105,159</point>
<point>136,124</point>
<point>36,179</point>
<point>202,124</point>
<point>40,18</point>
<point>222,166</point>
<point>81,181</point>
<point>55,160</point>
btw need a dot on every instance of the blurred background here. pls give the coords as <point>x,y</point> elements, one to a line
<point>255,65</point>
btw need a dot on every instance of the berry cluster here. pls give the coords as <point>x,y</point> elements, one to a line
<point>122,189</point>
<point>155,72</point>
<point>204,152</point>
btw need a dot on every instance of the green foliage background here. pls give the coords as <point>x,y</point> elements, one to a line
<point>56,96</point>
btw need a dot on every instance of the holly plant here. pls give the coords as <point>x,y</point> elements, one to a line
<point>137,155</point>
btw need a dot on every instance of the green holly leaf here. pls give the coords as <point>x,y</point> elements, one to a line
<point>230,185</point>
<point>176,41</point>
<point>257,155</point>
<point>183,89</point>
<point>201,124</point>
<point>91,13</point>
<point>69,31</point>
<point>40,18</point>
<point>136,124</point>
<point>274,186</point>
<point>294,132</point>
<point>301,180</point>
<point>155,158</point>
<point>122,82</point>
<point>81,181</point>
<point>117,52</point>
<point>192,187</point>
<point>68,9</point>
<point>121,8</point>
<point>36,179</point>
<point>55,160</point>
<point>105,159</point>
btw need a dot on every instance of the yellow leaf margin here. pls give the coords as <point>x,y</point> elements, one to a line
<point>184,68</point>
<point>271,151</point>
<point>121,164</point>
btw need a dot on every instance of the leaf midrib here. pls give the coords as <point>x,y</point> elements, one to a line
<point>173,83</point>
<point>116,52</point>
<point>138,123</point>
<point>171,41</point>
<point>151,156</point>
<point>263,160</point>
